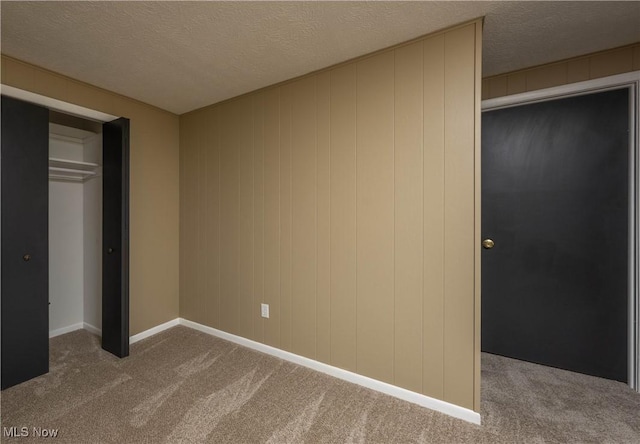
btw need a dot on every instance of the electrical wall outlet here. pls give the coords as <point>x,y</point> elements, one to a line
<point>264,310</point>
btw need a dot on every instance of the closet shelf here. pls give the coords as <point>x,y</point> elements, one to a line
<point>73,164</point>
<point>71,170</point>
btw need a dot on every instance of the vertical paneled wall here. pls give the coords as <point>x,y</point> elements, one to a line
<point>346,201</point>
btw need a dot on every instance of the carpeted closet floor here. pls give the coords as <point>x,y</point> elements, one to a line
<point>183,386</point>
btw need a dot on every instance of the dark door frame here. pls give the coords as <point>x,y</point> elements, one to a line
<point>630,81</point>
<point>102,118</point>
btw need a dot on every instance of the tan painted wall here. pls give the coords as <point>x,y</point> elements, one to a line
<point>346,200</point>
<point>587,67</point>
<point>154,187</point>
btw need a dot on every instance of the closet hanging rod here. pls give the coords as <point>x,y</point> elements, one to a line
<point>71,170</point>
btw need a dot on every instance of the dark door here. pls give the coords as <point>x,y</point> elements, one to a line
<point>115,235</point>
<point>25,242</point>
<point>555,178</point>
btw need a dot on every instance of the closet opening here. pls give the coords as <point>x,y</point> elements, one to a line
<point>75,224</point>
<point>64,230</point>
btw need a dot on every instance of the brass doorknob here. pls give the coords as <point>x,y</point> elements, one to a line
<point>488,244</point>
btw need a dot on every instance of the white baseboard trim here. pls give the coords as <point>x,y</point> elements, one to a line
<point>379,386</point>
<point>96,331</point>
<point>92,329</point>
<point>152,331</point>
<point>67,329</point>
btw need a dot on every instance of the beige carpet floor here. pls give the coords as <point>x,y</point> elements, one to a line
<point>182,386</point>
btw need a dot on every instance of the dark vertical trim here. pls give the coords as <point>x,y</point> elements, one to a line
<point>126,173</point>
<point>115,270</point>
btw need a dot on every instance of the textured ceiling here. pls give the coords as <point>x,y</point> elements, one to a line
<point>180,56</point>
